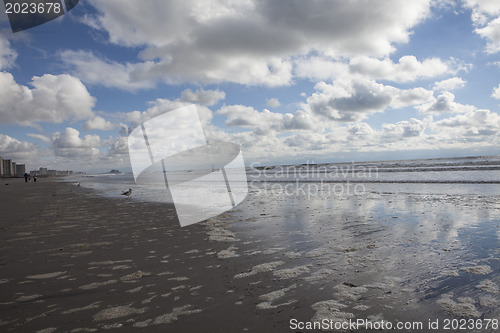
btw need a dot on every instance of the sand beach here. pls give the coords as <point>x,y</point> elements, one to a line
<point>73,261</point>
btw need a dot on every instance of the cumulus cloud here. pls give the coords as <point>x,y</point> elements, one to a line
<point>7,54</point>
<point>161,106</point>
<point>471,123</point>
<point>94,70</point>
<point>486,17</point>
<point>349,101</point>
<point>320,68</point>
<point>53,99</point>
<point>273,103</point>
<point>265,121</point>
<point>496,92</point>
<point>449,84</point>
<point>444,103</point>
<point>119,146</point>
<point>99,123</point>
<point>251,42</point>
<point>21,152</point>
<point>407,69</point>
<point>473,128</point>
<point>402,98</point>
<point>360,129</point>
<point>310,142</point>
<point>69,149</point>
<point>403,129</point>
<point>70,138</point>
<point>491,32</point>
<point>202,96</point>
<point>10,146</point>
<point>69,144</point>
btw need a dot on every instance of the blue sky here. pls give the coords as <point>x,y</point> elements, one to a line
<point>292,82</point>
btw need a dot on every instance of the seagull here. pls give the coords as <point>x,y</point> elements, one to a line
<point>127,193</point>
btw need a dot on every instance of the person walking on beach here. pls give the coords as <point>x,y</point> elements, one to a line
<point>35,177</point>
<point>25,177</point>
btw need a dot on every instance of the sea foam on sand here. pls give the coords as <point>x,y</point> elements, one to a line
<point>45,276</point>
<point>463,308</point>
<point>117,312</point>
<point>480,270</point>
<point>330,310</point>
<point>260,269</point>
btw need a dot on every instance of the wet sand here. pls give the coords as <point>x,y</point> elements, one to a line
<point>74,262</point>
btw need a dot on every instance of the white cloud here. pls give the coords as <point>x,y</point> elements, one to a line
<point>160,106</point>
<point>354,100</point>
<point>273,103</point>
<point>21,152</point>
<point>251,42</point>
<point>70,138</point>
<point>7,54</point>
<point>266,121</point>
<point>53,99</point>
<point>471,124</point>
<point>449,84</point>
<point>407,69</point>
<point>402,98</point>
<point>70,150</point>
<point>119,146</point>
<point>203,97</point>
<point>360,129</point>
<point>491,32</point>
<point>97,71</point>
<point>348,101</point>
<point>319,68</point>
<point>496,92</point>
<point>310,142</point>
<point>472,129</point>
<point>69,144</point>
<point>10,146</point>
<point>100,123</point>
<point>444,103</point>
<point>403,129</point>
<point>486,17</point>
<point>40,137</point>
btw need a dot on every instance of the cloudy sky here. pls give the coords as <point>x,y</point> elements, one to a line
<point>291,81</point>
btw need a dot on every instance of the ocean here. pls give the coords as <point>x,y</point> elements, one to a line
<point>480,174</point>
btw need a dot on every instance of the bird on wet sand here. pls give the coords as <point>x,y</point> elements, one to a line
<point>127,193</point>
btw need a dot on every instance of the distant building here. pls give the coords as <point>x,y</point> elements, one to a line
<point>44,172</point>
<point>7,168</point>
<point>20,170</point>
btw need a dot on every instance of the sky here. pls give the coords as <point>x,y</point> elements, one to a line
<point>290,81</point>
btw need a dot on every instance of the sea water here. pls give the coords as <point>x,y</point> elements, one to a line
<point>479,175</point>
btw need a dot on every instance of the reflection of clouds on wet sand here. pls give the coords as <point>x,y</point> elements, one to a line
<point>389,249</point>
